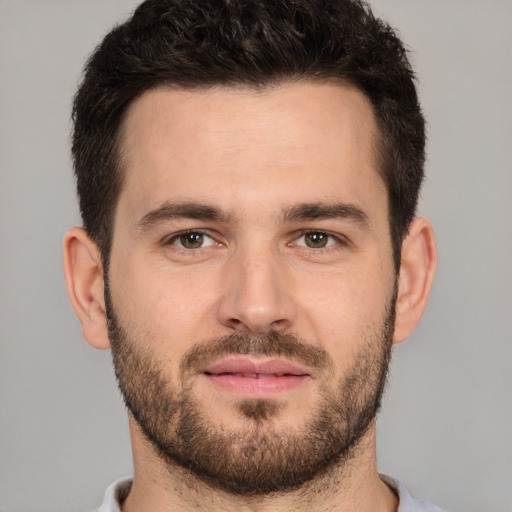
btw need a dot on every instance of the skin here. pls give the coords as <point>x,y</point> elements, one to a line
<point>252,156</point>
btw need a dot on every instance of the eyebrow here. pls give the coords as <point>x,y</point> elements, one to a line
<point>299,212</point>
<point>318,211</point>
<point>168,211</point>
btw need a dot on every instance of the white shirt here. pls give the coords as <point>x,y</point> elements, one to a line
<point>119,490</point>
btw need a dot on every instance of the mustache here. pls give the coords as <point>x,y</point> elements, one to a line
<point>273,343</point>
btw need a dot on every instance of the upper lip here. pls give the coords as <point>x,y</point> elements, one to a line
<point>245,365</point>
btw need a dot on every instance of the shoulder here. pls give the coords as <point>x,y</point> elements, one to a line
<point>115,495</point>
<point>406,502</point>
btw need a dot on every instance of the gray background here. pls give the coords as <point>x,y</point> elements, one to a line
<point>446,427</point>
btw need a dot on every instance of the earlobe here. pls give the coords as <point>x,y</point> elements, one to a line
<point>83,272</point>
<point>417,269</point>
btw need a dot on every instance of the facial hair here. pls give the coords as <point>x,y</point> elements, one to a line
<point>261,459</point>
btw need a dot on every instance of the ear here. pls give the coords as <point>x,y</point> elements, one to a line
<point>83,272</point>
<point>417,269</point>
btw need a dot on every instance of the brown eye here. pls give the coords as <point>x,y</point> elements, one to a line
<point>316,240</point>
<point>193,240</point>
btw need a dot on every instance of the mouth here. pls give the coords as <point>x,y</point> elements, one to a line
<point>254,377</point>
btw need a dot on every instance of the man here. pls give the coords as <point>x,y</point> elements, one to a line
<point>248,174</point>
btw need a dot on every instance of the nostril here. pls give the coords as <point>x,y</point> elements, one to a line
<point>235,323</point>
<point>255,305</point>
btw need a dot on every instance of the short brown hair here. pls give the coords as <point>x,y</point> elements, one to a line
<point>202,43</point>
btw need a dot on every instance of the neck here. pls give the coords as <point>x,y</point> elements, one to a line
<point>351,485</point>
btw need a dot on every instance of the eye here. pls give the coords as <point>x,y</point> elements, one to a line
<point>192,240</point>
<point>316,240</point>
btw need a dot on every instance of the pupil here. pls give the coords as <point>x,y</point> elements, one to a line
<point>316,240</point>
<point>192,240</point>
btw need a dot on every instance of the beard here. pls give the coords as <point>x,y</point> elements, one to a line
<point>259,458</point>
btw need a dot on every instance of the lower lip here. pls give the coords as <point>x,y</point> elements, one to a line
<point>250,386</point>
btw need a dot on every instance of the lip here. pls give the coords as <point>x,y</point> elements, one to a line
<point>255,378</point>
<point>247,365</point>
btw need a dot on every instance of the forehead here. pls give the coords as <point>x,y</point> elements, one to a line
<point>259,146</point>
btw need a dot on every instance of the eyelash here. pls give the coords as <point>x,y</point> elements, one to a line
<point>339,241</point>
<point>171,240</point>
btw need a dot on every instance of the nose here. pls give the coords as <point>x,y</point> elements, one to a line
<point>256,294</point>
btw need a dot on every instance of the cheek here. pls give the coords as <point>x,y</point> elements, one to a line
<point>170,309</point>
<point>344,310</point>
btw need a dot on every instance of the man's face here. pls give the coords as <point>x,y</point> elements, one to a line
<point>251,279</point>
